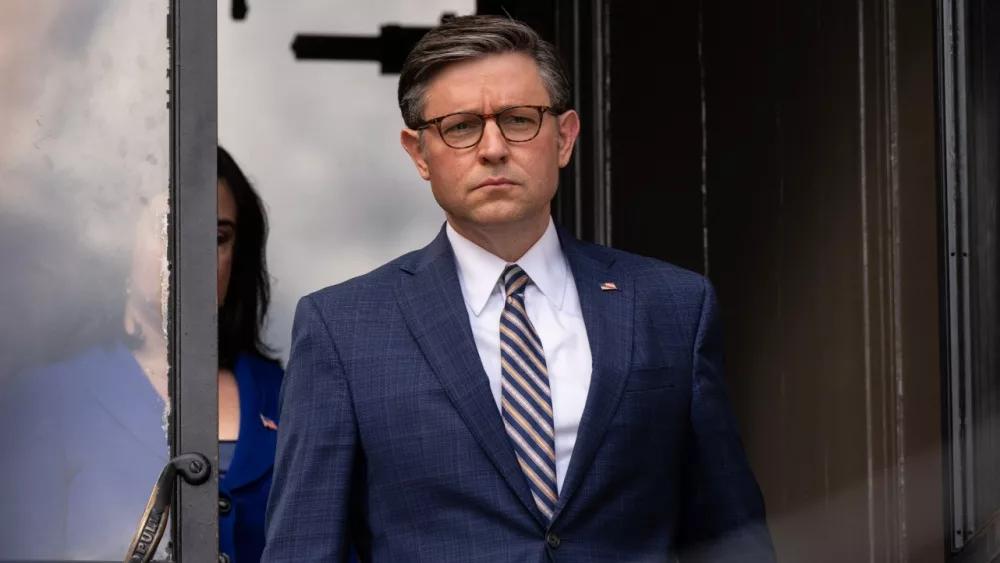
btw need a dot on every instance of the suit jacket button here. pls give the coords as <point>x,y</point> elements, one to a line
<point>223,558</point>
<point>224,506</point>
<point>553,540</point>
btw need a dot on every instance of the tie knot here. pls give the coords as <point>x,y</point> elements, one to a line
<point>514,280</point>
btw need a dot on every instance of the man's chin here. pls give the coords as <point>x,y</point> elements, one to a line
<point>501,216</point>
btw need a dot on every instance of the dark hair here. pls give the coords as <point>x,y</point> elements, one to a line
<point>472,37</point>
<point>242,315</point>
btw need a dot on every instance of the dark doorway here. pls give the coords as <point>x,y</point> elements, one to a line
<point>787,150</point>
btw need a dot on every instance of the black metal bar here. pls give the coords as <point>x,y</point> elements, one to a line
<point>192,253</point>
<point>331,47</point>
<point>954,199</point>
<point>389,48</point>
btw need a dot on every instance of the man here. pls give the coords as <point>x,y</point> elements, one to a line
<point>508,393</point>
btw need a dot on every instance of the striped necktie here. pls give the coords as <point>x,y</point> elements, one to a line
<point>526,398</point>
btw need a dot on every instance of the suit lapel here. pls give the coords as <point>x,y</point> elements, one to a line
<point>608,316</point>
<point>430,297</point>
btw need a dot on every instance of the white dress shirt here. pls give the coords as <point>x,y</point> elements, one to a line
<point>553,306</point>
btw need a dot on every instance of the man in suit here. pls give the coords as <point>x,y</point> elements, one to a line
<point>508,393</point>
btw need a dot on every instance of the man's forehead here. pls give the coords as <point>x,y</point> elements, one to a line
<point>497,80</point>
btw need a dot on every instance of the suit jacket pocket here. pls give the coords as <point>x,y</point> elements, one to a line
<point>652,379</point>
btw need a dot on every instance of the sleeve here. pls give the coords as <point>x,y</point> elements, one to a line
<point>723,517</point>
<point>307,513</point>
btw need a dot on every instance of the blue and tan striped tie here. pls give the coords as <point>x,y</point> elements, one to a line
<point>526,397</point>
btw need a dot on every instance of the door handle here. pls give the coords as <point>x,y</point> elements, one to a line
<point>195,469</point>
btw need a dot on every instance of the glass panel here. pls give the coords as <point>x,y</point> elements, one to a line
<point>320,143</point>
<point>84,156</point>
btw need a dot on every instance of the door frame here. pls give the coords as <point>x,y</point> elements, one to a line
<point>192,325</point>
<point>583,39</point>
<point>967,90</point>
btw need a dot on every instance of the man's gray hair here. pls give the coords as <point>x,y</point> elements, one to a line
<point>473,37</point>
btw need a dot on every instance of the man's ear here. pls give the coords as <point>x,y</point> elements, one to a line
<point>569,129</point>
<point>413,143</point>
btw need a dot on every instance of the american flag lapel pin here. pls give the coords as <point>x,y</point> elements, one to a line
<point>608,286</point>
<point>267,422</point>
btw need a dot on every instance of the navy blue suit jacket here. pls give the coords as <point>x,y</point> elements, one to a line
<point>391,440</point>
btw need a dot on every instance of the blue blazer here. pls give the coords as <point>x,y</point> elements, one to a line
<point>83,442</point>
<point>244,489</point>
<point>391,440</point>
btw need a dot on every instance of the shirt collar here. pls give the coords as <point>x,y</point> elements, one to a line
<point>479,271</point>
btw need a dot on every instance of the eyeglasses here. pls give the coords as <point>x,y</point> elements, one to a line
<point>462,130</point>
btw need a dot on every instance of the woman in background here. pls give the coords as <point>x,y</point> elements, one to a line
<point>249,377</point>
<point>83,437</point>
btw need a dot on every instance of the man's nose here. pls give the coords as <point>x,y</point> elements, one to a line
<point>493,146</point>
